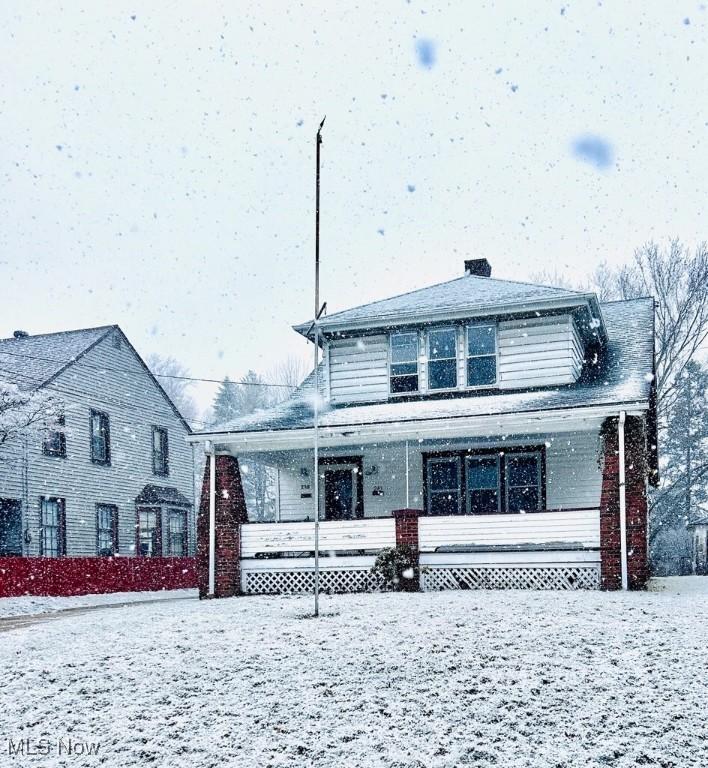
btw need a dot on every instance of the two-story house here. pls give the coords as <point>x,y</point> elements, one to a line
<point>114,477</point>
<point>506,431</point>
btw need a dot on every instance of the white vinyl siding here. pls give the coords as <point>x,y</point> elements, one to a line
<point>358,369</point>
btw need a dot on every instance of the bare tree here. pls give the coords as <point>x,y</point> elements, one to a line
<point>168,371</point>
<point>287,375</point>
<point>26,413</point>
<point>678,280</point>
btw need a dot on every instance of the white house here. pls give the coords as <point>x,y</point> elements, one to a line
<point>115,478</point>
<point>505,430</point>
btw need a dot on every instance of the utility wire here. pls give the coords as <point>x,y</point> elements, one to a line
<point>139,373</point>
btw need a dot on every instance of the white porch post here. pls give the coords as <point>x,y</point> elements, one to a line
<point>408,495</point>
<point>212,521</point>
<point>622,499</point>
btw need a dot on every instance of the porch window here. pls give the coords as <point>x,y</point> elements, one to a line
<point>177,539</point>
<point>523,482</point>
<point>149,533</point>
<point>100,438</point>
<point>481,355</point>
<point>442,358</point>
<point>404,362</point>
<point>160,451</point>
<point>106,530</point>
<point>52,541</point>
<point>483,479</point>
<point>54,443</point>
<point>444,483</point>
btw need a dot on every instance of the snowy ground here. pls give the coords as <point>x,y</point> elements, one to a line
<point>24,606</point>
<point>481,679</point>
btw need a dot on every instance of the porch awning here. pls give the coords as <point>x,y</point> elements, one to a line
<point>159,494</point>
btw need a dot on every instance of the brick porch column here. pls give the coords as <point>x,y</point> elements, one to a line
<point>636,501</point>
<point>407,533</point>
<point>230,513</point>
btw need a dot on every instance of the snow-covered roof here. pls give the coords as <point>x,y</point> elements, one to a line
<point>31,361</point>
<point>463,294</point>
<point>625,376</point>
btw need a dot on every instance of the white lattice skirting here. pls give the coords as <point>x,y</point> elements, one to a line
<point>289,582</point>
<point>556,577</point>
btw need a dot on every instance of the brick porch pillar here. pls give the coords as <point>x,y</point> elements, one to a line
<point>407,534</point>
<point>635,456</point>
<point>230,513</point>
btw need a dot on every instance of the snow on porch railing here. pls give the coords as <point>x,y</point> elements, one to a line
<point>570,529</point>
<point>264,539</point>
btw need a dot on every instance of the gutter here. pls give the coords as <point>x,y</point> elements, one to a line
<point>622,498</point>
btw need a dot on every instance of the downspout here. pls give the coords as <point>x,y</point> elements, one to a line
<point>622,499</point>
<point>212,519</point>
<point>408,503</point>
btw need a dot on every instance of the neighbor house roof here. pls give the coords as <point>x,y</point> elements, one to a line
<point>34,361</point>
<point>463,294</point>
<point>625,376</point>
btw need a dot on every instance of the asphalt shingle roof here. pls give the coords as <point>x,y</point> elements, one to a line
<point>31,361</point>
<point>624,376</point>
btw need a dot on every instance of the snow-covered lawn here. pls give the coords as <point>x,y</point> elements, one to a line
<point>27,606</point>
<point>479,679</point>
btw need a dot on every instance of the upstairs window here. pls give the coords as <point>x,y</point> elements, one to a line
<point>100,438</point>
<point>52,540</point>
<point>404,362</point>
<point>54,443</point>
<point>481,355</point>
<point>442,358</point>
<point>160,451</point>
<point>106,530</point>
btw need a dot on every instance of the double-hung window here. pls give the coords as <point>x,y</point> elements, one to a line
<point>149,532</point>
<point>404,362</point>
<point>52,541</point>
<point>100,437</point>
<point>481,355</point>
<point>442,358</point>
<point>444,482</point>
<point>54,443</point>
<point>106,530</point>
<point>523,482</point>
<point>160,451</point>
<point>177,539</point>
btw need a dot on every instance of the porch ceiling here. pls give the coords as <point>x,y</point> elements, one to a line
<point>503,425</point>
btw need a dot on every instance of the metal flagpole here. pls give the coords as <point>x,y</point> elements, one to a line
<point>315,409</point>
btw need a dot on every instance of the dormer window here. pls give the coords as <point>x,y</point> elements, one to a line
<point>442,358</point>
<point>481,355</point>
<point>404,362</point>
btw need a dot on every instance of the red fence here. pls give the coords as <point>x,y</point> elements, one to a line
<point>64,576</point>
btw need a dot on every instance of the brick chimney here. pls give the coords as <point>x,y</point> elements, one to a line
<point>20,334</point>
<point>478,267</point>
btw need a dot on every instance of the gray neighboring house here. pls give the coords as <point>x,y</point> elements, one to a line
<point>116,476</point>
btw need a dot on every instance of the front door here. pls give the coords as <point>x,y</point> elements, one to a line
<point>10,527</point>
<point>340,497</point>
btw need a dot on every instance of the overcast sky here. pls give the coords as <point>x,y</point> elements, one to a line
<point>158,158</point>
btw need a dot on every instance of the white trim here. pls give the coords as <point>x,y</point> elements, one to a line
<point>212,522</point>
<point>622,499</point>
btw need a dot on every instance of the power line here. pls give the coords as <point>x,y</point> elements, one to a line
<point>138,373</point>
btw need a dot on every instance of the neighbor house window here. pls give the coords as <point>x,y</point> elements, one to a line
<point>444,483</point>
<point>52,540</point>
<point>106,529</point>
<point>523,482</point>
<point>404,362</point>
<point>486,481</point>
<point>481,355</point>
<point>160,454</point>
<point>54,443</point>
<point>442,358</point>
<point>100,438</point>
<point>149,533</point>
<point>177,539</point>
<point>483,479</point>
